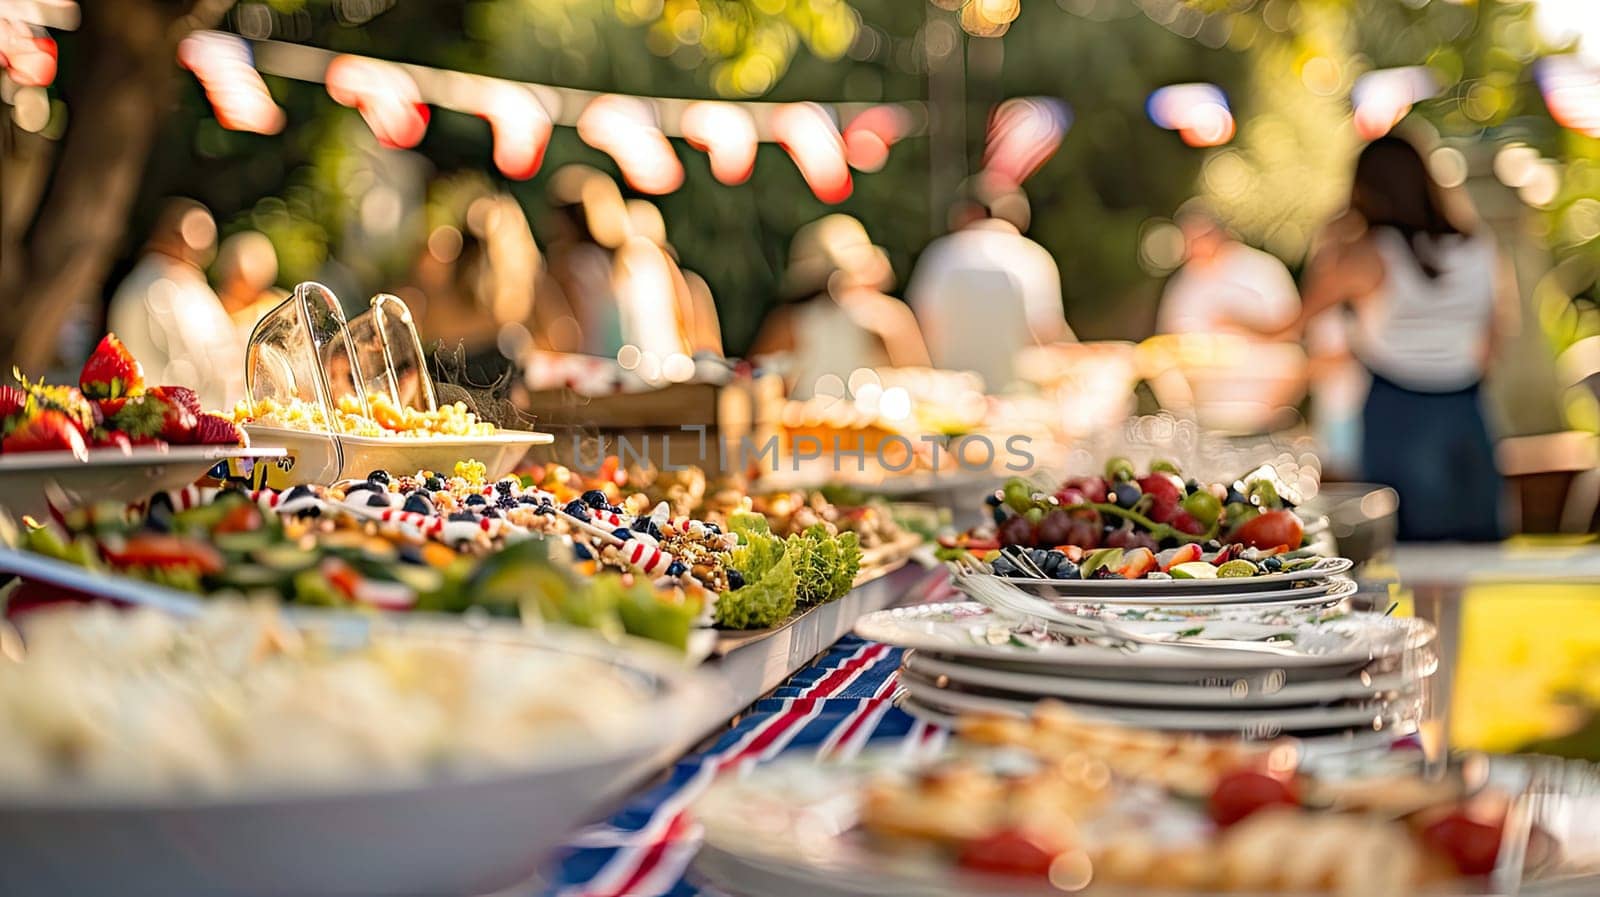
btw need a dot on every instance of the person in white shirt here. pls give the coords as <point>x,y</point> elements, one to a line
<point>168,316</point>
<point>1225,286</point>
<point>984,291</point>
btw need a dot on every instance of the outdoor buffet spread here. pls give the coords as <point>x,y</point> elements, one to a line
<point>372,604</point>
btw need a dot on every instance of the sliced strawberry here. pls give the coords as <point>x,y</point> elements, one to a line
<point>44,431</point>
<point>100,437</point>
<point>149,417</point>
<point>1182,555</point>
<point>111,371</point>
<point>64,399</point>
<point>1137,563</point>
<point>182,396</point>
<point>213,429</point>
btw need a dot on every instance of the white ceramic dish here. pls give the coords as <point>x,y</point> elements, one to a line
<point>1245,691</point>
<point>316,457</point>
<point>1311,594</point>
<point>1326,650</point>
<point>1250,722</point>
<point>1189,588</point>
<point>471,835</point>
<point>110,474</point>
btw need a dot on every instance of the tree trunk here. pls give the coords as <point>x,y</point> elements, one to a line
<point>116,104</point>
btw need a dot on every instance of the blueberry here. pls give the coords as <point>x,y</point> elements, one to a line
<point>594,498</point>
<point>653,531</point>
<point>993,499</point>
<point>530,500</point>
<point>1235,497</point>
<point>505,501</point>
<point>676,568</point>
<point>1066,570</point>
<point>999,514</point>
<point>1212,545</point>
<point>582,552</point>
<point>505,486</point>
<point>417,503</point>
<point>464,517</point>
<point>1192,485</point>
<point>615,509</point>
<point>434,482</point>
<point>377,500</point>
<point>476,500</point>
<point>1052,562</point>
<point>577,509</point>
<point>1273,564</point>
<point>1126,494</point>
<point>622,533</point>
<point>713,529</point>
<point>735,579</point>
<point>492,513</point>
<point>1003,567</point>
<point>378,476</point>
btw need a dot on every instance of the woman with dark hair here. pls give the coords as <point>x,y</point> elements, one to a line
<point>1430,302</point>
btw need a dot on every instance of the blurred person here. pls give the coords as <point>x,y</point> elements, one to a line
<point>589,223</point>
<point>167,315</point>
<point>1431,300</point>
<point>985,271</point>
<point>662,310</point>
<point>841,319</point>
<point>1224,286</point>
<point>247,271</point>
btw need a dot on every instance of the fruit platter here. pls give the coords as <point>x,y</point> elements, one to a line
<point>546,546</point>
<point>344,403</point>
<point>1058,803</point>
<point>111,435</point>
<point>425,742</point>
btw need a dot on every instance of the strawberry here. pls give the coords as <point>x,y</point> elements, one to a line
<point>64,399</point>
<point>12,403</point>
<point>100,437</point>
<point>214,429</point>
<point>111,371</point>
<point>45,431</point>
<point>182,396</point>
<point>148,418</point>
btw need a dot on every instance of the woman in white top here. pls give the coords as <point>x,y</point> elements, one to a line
<point>1431,302</point>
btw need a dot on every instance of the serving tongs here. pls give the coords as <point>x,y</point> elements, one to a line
<point>1012,602</point>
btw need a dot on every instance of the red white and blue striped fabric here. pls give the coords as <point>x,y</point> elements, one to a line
<point>833,708</point>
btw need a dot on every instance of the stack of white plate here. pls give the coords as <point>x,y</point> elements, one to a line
<point>1309,667</point>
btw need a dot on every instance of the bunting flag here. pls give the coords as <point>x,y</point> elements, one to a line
<point>384,94</point>
<point>222,64</point>
<point>727,134</point>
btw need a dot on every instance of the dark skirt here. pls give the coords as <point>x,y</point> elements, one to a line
<point>1434,449</point>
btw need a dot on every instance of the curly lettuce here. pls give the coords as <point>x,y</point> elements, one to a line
<point>825,565</point>
<point>768,595</point>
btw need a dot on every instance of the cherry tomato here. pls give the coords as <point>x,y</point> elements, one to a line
<point>1007,852</point>
<point>1269,530</point>
<point>1165,491</point>
<point>1239,794</point>
<point>161,550</point>
<point>1184,522</point>
<point>1472,845</point>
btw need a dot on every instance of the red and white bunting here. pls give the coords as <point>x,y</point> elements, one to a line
<point>1023,134</point>
<point>727,134</point>
<point>813,141</point>
<point>521,129</point>
<point>384,94</point>
<point>625,129</point>
<point>869,135</point>
<point>238,96</point>
<point>27,54</point>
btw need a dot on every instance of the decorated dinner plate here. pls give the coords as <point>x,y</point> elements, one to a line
<point>1316,593</point>
<point>1266,690</point>
<point>1329,647</point>
<point>1323,568</point>
<point>1249,722</point>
